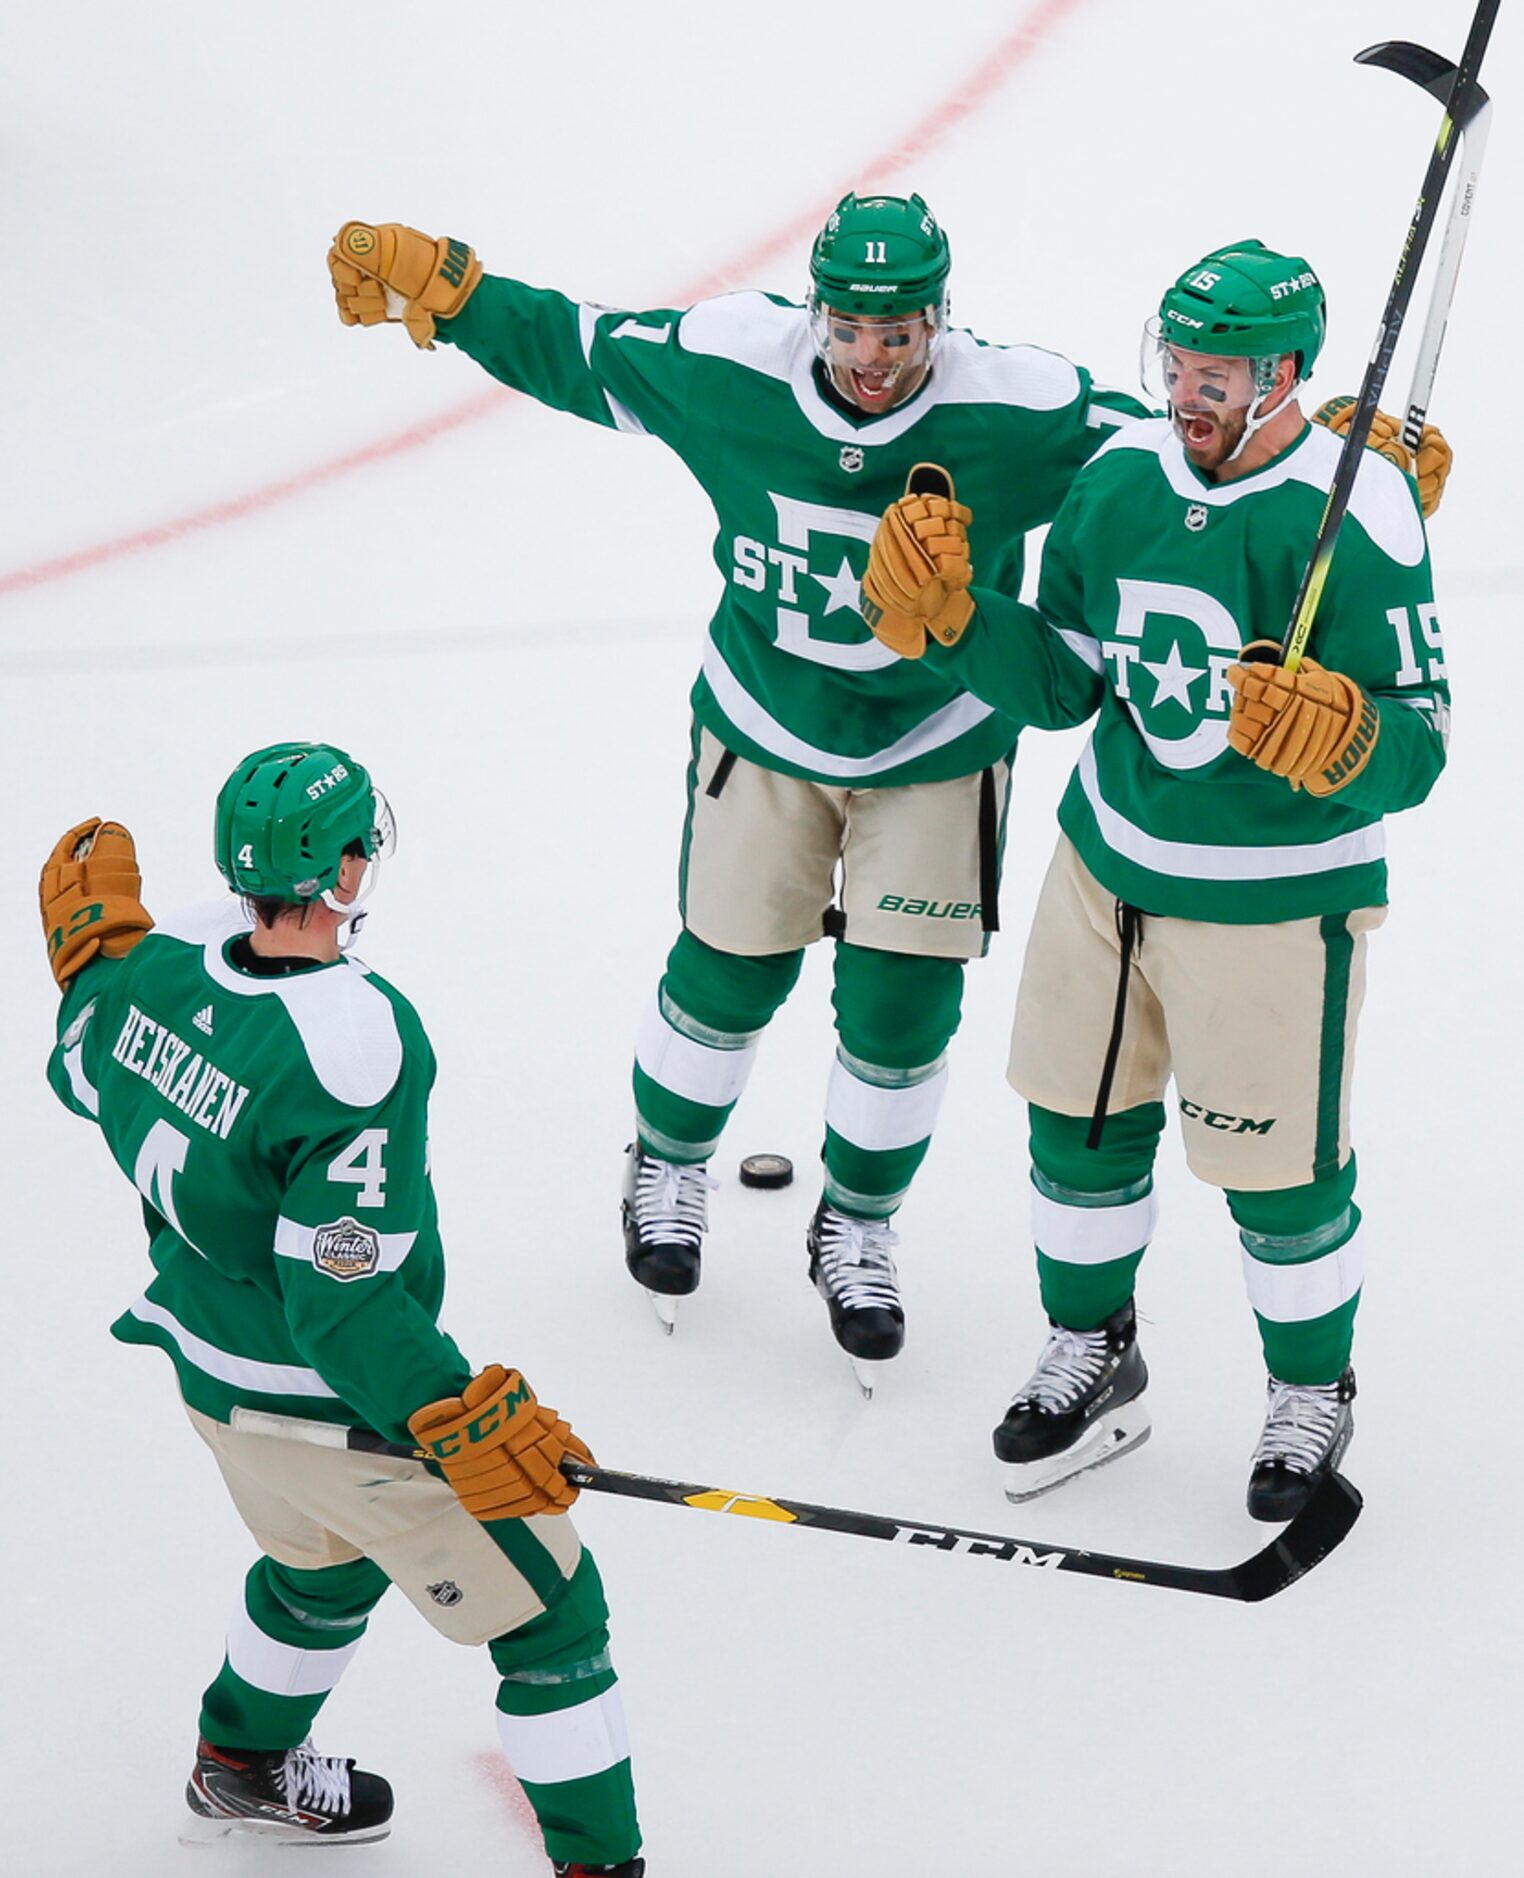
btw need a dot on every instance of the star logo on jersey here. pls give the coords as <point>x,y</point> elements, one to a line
<point>1196,518</point>
<point>1173,678</point>
<point>851,458</point>
<point>1167,661</point>
<point>787,574</point>
<point>842,588</point>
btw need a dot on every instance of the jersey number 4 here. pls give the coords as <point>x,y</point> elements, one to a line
<point>361,1162</point>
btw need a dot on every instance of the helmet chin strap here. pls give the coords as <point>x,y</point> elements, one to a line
<point>351,917</point>
<point>354,912</point>
<point>1252,423</point>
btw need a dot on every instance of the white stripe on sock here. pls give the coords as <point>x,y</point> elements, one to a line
<point>281,1668</point>
<point>569,1744</point>
<point>874,1118</point>
<point>688,1068</point>
<point>1293,1294</point>
<point>1090,1235</point>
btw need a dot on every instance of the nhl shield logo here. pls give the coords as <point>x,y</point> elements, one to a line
<point>851,457</point>
<point>1196,518</point>
<point>446,1592</point>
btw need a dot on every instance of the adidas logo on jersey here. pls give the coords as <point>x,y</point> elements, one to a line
<point>203,1019</point>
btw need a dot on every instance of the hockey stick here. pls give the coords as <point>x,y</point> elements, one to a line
<point>1320,1526</point>
<point>1436,76</point>
<point>1458,108</point>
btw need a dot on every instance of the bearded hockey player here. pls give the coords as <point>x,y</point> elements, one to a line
<point>267,1095</point>
<point>817,757</point>
<point>1221,860</point>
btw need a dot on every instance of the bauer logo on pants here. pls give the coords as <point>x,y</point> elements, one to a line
<point>346,1249</point>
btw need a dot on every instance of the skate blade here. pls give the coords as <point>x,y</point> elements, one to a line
<point>1108,1438</point>
<point>866,1372</point>
<point>666,1310</point>
<point>197,1830</point>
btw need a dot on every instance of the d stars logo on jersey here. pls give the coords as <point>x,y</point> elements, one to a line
<point>1168,664</point>
<point>851,457</point>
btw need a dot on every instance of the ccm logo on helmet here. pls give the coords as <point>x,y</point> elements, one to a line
<point>315,791</point>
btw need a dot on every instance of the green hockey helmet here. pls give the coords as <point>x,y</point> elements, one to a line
<point>1247,301</point>
<point>881,256</point>
<point>286,816</point>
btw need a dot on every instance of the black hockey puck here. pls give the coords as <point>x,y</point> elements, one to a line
<point>766,1170</point>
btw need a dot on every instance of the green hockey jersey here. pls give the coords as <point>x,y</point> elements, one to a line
<point>791,677</point>
<point>1153,579</point>
<point>276,1128</point>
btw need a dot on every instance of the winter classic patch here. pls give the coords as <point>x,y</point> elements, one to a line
<point>346,1249</point>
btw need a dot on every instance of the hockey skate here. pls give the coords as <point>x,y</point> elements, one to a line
<point>290,1797</point>
<point>1307,1428</point>
<point>851,1268</point>
<point>665,1211</point>
<point>1080,1408</point>
<point>631,1868</point>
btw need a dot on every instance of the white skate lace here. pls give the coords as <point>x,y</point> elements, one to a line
<point>855,1262</point>
<point>672,1202</point>
<point>1299,1425</point>
<point>1071,1361</point>
<point>317,1782</point>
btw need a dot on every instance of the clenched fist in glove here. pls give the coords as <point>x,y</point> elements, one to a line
<point>499,1448</point>
<point>388,272</point>
<point>90,897</point>
<point>1429,468</point>
<point>918,569</point>
<point>1315,728</point>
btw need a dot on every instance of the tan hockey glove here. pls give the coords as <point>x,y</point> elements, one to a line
<point>919,571</point>
<point>499,1448</point>
<point>1432,465</point>
<point>388,272</point>
<point>1315,728</point>
<point>89,894</point>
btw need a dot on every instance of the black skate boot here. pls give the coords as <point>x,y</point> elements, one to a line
<point>631,1868</point>
<point>851,1268</point>
<point>292,1796</point>
<point>1080,1407</point>
<point>665,1212</point>
<point>1307,1429</point>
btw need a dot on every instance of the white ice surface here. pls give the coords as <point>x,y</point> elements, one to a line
<point>504,624</point>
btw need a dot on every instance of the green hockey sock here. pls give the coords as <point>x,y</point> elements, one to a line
<point>895,1015</point>
<point>289,1641</point>
<point>698,1041</point>
<point>1093,1210</point>
<point>561,1723</point>
<point>1304,1260</point>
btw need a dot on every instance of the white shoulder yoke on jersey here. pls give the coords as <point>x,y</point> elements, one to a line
<point>347,1027</point>
<point>751,330</point>
<point>1383,502</point>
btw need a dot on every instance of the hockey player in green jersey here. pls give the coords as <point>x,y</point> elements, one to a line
<point>816,753</point>
<point>267,1095</point>
<point>1221,859</point>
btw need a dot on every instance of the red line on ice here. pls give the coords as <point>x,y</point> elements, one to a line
<point>494,1771</point>
<point>987,78</point>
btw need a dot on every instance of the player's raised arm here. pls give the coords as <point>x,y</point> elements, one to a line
<point>624,370</point>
